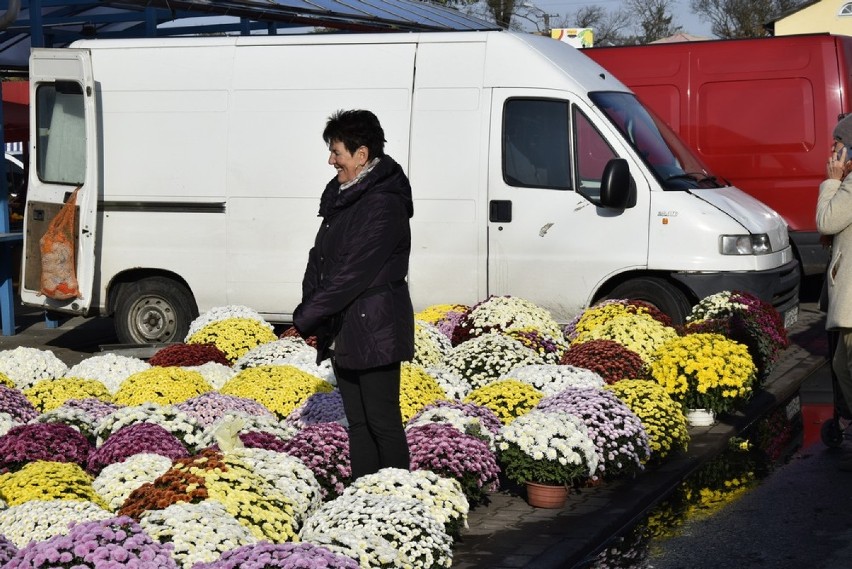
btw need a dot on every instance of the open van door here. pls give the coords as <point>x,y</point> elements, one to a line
<point>63,157</point>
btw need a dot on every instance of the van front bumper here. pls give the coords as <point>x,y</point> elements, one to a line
<point>779,286</point>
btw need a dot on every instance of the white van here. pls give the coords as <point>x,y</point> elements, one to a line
<point>535,173</point>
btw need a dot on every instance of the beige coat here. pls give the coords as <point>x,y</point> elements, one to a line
<point>834,217</point>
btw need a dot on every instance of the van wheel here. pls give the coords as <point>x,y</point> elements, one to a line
<point>662,294</point>
<point>154,310</point>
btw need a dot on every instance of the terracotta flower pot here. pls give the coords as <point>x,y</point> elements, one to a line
<point>546,495</point>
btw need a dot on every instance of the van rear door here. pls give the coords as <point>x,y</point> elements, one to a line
<point>63,151</point>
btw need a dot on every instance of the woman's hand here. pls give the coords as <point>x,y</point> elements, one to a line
<point>838,166</point>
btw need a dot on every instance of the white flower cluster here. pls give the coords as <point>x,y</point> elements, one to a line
<point>200,532</point>
<point>287,351</point>
<point>214,373</point>
<point>38,520</point>
<point>405,522</point>
<point>116,481</point>
<point>246,424</point>
<point>511,312</point>
<point>110,369</point>
<point>551,379</point>
<point>551,436</point>
<point>7,422</point>
<point>454,417</point>
<point>717,305</point>
<point>287,474</point>
<point>453,384</point>
<point>178,423</point>
<point>25,366</point>
<point>485,358</point>
<point>362,545</point>
<point>71,416</point>
<point>219,313</point>
<point>443,497</point>
<point>431,346</point>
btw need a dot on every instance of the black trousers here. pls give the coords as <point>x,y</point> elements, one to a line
<point>376,434</point>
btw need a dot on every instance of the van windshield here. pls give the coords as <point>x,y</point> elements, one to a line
<point>674,164</point>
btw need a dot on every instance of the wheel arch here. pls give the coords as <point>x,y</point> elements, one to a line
<point>132,275</point>
<point>610,284</point>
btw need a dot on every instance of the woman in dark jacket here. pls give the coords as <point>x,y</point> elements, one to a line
<point>354,294</point>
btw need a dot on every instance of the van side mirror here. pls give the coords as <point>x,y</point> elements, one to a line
<point>618,190</point>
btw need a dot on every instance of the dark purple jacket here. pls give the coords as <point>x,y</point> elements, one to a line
<point>354,291</point>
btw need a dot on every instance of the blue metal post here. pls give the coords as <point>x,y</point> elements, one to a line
<point>7,296</point>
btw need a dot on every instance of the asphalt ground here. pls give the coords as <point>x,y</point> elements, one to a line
<point>506,533</point>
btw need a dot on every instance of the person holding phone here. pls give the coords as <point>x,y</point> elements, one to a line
<point>834,220</point>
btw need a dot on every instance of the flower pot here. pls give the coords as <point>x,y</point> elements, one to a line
<point>700,417</point>
<point>546,495</point>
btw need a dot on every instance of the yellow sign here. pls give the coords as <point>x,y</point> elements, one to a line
<point>577,37</point>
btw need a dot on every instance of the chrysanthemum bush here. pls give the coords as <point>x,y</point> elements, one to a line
<point>185,355</point>
<point>163,385</point>
<point>25,366</point>
<point>38,520</point>
<point>607,358</point>
<point>48,394</point>
<point>135,439</point>
<point>620,439</point>
<point>45,480</point>
<point>430,345</point>
<point>116,481</point>
<point>81,414</point>
<point>436,312</point>
<point>443,497</point>
<point>744,318</point>
<point>233,336</point>
<point>405,522</point>
<point>187,430</point>
<point>483,415</point>
<point>661,416</point>
<point>324,448</point>
<point>110,369</point>
<point>485,358</point>
<point>508,398</point>
<point>219,313</point>
<point>639,333</point>
<point>277,352</point>
<point>499,314</point>
<point>417,389</point>
<point>452,384</point>
<point>265,555</point>
<point>548,348</point>
<point>223,431</point>
<point>208,407</point>
<point>40,441</point>
<point>705,371</point>
<point>361,544</point>
<point>551,379</point>
<point>214,374</point>
<point>279,388</point>
<point>448,452</point>
<point>101,544</point>
<point>319,408</point>
<point>604,311</point>
<point>467,424</point>
<point>547,448</point>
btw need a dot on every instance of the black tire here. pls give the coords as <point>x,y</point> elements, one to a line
<point>658,292</point>
<point>831,434</point>
<point>154,310</point>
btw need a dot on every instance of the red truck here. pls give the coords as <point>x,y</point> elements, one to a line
<point>759,112</point>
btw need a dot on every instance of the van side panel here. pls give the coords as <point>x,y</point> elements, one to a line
<point>759,112</point>
<point>449,165</point>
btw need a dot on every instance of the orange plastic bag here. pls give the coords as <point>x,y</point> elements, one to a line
<point>58,247</point>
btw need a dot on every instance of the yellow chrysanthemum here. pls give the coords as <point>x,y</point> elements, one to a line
<point>280,388</point>
<point>161,385</point>
<point>417,389</point>
<point>234,336</point>
<point>435,313</point>
<point>48,394</point>
<point>508,398</point>
<point>5,380</point>
<point>45,480</point>
<point>637,332</point>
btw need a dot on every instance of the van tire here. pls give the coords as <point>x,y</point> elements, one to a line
<point>154,310</point>
<point>662,294</point>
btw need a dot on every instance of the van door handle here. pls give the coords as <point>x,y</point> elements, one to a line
<point>500,211</point>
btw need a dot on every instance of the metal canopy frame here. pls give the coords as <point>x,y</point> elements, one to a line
<point>57,23</point>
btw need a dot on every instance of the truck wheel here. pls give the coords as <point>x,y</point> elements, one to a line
<point>154,310</point>
<point>658,292</point>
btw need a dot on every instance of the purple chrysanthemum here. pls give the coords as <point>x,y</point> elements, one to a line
<point>319,408</point>
<point>54,442</point>
<point>265,555</point>
<point>135,439</point>
<point>208,407</point>
<point>7,550</point>
<point>97,409</point>
<point>15,403</point>
<point>324,448</point>
<point>486,416</point>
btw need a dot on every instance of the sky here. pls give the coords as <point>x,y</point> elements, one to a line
<point>683,16</point>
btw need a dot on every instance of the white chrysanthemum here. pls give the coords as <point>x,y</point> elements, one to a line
<point>116,481</point>
<point>431,346</point>
<point>370,550</point>
<point>457,418</point>
<point>453,384</point>
<point>7,422</point>
<point>223,313</point>
<point>405,522</point>
<point>510,312</point>
<point>180,424</point>
<point>238,422</point>
<point>200,532</point>
<point>110,369</point>
<point>551,379</point>
<point>214,373</point>
<point>485,358</point>
<point>38,520</point>
<point>271,353</point>
<point>717,305</point>
<point>25,366</point>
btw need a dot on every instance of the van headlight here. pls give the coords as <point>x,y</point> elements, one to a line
<point>745,244</point>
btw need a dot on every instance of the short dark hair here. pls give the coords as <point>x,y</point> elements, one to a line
<point>356,128</point>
